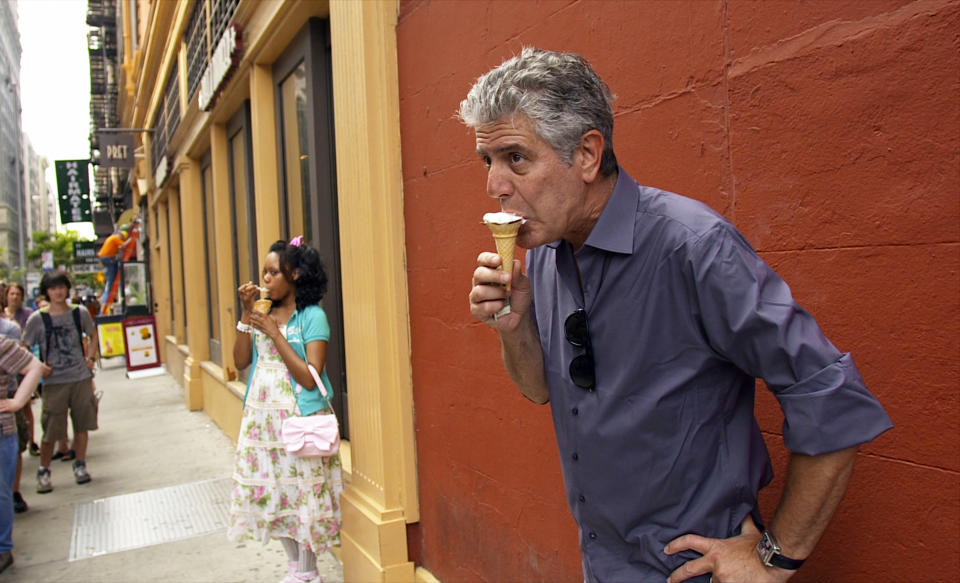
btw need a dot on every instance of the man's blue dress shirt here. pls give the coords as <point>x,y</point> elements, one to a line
<point>683,316</point>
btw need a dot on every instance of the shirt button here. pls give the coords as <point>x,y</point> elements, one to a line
<point>593,536</point>
<point>575,411</point>
<point>582,498</point>
<point>576,456</point>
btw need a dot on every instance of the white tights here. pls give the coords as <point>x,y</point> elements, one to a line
<point>305,559</point>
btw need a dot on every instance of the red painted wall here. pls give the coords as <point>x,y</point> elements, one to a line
<point>829,132</point>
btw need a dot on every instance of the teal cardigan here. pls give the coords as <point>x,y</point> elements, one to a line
<point>303,327</point>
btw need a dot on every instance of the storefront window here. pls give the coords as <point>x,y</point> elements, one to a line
<point>296,157</point>
<point>304,97</point>
<point>239,159</point>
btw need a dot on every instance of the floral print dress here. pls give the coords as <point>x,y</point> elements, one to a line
<point>276,494</point>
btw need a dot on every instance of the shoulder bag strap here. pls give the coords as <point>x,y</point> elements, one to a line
<point>310,367</point>
<point>47,333</point>
<point>76,322</point>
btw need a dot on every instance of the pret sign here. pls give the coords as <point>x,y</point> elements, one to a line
<point>116,150</point>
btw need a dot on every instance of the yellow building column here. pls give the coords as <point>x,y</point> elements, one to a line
<point>194,272</point>
<point>381,495</point>
<point>263,130</point>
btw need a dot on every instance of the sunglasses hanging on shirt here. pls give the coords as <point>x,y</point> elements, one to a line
<point>582,368</point>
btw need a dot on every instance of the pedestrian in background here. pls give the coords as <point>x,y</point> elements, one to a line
<point>14,307</point>
<point>59,331</point>
<point>13,359</point>
<point>15,310</point>
<point>644,319</point>
<point>10,329</point>
<point>277,495</point>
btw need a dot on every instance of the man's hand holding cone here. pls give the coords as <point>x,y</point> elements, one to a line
<point>493,293</point>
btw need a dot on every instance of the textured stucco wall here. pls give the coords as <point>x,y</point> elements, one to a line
<point>829,132</point>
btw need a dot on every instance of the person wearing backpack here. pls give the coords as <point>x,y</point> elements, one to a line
<point>59,331</point>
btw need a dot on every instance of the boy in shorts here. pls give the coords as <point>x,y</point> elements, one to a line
<point>59,331</point>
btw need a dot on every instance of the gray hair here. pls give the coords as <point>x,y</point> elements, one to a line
<point>559,93</point>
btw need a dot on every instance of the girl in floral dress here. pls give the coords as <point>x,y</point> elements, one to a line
<point>276,495</point>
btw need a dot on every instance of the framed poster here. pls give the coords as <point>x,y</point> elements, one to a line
<point>140,334</point>
<point>110,335</point>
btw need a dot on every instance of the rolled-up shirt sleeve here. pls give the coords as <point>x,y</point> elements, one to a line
<point>750,318</point>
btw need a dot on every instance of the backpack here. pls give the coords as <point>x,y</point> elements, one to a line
<point>48,330</point>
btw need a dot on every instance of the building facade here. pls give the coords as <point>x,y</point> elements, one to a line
<point>825,132</point>
<point>11,154</point>
<point>236,100</point>
<point>39,202</point>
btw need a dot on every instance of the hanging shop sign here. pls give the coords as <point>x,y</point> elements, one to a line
<point>46,261</point>
<point>221,66</point>
<point>73,186</point>
<point>85,258</point>
<point>116,150</point>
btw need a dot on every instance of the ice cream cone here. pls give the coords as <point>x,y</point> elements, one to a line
<point>264,304</point>
<point>505,237</point>
<point>504,227</point>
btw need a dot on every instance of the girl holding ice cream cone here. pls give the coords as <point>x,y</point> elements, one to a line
<point>277,495</point>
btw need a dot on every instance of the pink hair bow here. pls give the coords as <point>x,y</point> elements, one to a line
<point>297,241</point>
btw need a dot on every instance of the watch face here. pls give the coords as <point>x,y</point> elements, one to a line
<point>765,544</point>
<point>766,548</point>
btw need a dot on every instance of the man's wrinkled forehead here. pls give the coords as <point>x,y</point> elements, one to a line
<point>504,134</point>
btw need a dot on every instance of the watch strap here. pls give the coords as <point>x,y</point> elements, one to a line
<point>778,560</point>
<point>769,550</point>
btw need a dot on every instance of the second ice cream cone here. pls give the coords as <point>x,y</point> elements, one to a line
<point>264,304</point>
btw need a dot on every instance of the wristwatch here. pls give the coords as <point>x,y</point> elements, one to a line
<point>769,550</point>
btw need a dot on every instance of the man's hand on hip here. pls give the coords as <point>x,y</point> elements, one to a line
<point>730,560</point>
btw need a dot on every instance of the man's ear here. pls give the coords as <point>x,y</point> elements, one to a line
<point>589,154</point>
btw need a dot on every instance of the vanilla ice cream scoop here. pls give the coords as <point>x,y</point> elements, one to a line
<point>501,218</point>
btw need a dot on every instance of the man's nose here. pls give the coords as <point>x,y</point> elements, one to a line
<point>498,185</point>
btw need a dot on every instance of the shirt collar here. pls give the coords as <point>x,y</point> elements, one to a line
<point>614,229</point>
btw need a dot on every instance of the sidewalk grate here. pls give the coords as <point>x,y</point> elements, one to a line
<point>131,521</point>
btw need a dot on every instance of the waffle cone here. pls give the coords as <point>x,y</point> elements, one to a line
<point>505,236</point>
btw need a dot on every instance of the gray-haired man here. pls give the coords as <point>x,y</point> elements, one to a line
<point>645,318</point>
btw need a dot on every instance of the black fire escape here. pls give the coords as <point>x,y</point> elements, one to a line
<point>111,187</point>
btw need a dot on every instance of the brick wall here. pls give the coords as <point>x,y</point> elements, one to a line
<point>827,131</point>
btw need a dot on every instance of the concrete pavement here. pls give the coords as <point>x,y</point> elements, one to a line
<point>148,443</point>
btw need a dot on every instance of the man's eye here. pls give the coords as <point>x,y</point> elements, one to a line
<point>516,158</point>
<point>486,161</point>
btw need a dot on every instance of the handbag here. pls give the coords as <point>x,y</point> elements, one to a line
<point>313,435</point>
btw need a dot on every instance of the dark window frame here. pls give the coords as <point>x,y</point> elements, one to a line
<point>213,302</point>
<point>240,124</point>
<point>311,46</point>
<point>197,51</point>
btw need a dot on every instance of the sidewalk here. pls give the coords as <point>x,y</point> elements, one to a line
<point>160,473</point>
